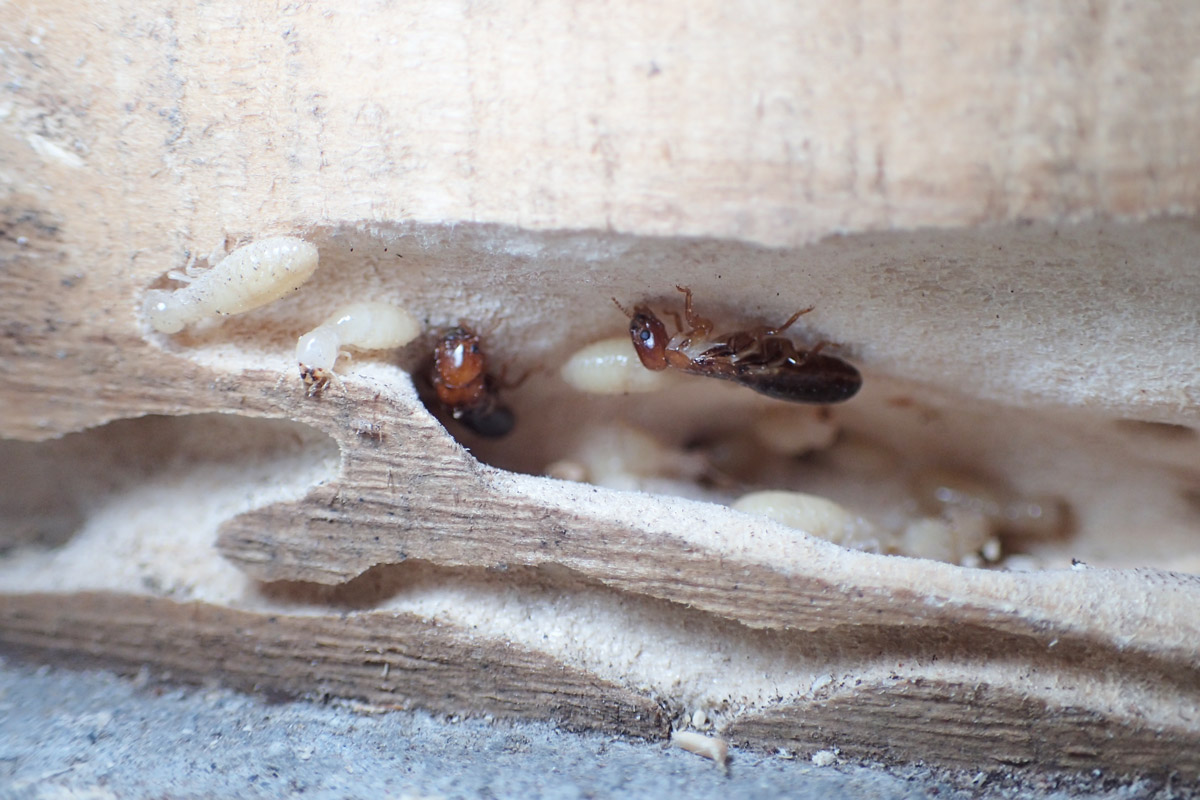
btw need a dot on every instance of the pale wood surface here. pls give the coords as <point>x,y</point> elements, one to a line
<point>386,660</point>
<point>977,202</point>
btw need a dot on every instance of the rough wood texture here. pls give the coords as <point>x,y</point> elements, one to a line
<point>975,200</point>
<point>387,660</point>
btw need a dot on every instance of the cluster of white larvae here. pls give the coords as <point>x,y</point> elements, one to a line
<point>959,517</point>
<point>267,270</point>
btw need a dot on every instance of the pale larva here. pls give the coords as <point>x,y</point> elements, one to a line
<point>814,515</point>
<point>960,537</point>
<point>795,430</point>
<point>247,278</point>
<point>362,326</point>
<point>611,366</point>
<point>621,456</point>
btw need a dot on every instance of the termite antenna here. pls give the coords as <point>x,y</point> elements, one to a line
<point>624,311</point>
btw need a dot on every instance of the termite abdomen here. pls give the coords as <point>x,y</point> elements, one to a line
<point>815,379</point>
<point>491,423</point>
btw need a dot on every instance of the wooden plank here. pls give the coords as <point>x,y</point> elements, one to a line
<point>384,660</point>
<point>993,212</point>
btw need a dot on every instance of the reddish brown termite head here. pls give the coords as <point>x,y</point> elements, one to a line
<point>464,387</point>
<point>649,336</point>
<point>459,369</point>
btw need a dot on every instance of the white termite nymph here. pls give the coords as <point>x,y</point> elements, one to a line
<point>249,277</point>
<point>362,326</point>
<point>622,456</point>
<point>969,504</point>
<point>814,515</point>
<point>611,366</point>
<point>959,537</point>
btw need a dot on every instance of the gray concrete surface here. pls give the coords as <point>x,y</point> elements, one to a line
<point>94,735</point>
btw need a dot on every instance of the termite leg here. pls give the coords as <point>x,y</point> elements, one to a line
<point>812,353</point>
<point>190,271</point>
<point>791,321</point>
<point>701,326</point>
<point>678,322</point>
<point>336,380</point>
<point>761,334</point>
<point>193,268</point>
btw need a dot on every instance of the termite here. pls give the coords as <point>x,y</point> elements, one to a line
<point>249,277</point>
<point>758,358</point>
<point>465,388</point>
<point>362,326</point>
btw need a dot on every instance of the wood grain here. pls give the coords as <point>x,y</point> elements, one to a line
<point>385,660</point>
